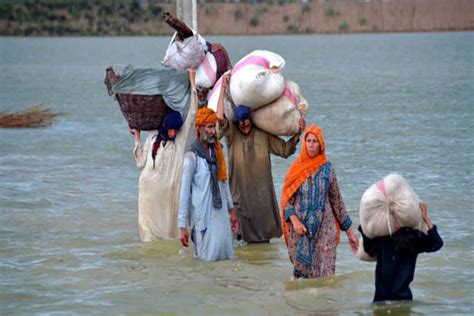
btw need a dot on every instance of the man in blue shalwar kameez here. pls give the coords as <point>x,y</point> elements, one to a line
<point>205,198</point>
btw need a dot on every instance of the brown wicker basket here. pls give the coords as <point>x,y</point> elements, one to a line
<point>143,112</point>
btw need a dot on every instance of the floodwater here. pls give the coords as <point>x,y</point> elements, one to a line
<point>69,239</point>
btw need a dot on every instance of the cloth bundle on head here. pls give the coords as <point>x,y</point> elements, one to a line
<point>389,204</point>
<point>241,113</point>
<point>205,116</point>
<point>173,120</point>
<point>303,167</point>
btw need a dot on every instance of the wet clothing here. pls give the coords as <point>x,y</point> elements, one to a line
<point>318,204</point>
<point>251,180</point>
<point>395,271</point>
<point>158,199</point>
<point>211,231</point>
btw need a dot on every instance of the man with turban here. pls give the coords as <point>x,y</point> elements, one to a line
<point>205,198</point>
<point>250,172</point>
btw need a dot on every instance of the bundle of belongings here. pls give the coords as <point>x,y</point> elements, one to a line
<point>386,206</point>
<point>257,82</point>
<point>189,50</point>
<point>145,95</point>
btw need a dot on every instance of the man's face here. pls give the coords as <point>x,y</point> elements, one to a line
<point>245,126</point>
<point>207,133</point>
<point>202,93</point>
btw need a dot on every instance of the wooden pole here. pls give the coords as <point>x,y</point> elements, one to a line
<point>186,11</point>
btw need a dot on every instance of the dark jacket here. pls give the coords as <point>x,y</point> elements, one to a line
<point>396,260</point>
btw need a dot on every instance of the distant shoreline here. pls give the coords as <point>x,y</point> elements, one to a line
<point>127,18</point>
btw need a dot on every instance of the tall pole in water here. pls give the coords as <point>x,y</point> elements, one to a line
<point>186,11</point>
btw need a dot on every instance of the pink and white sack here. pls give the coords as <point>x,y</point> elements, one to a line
<point>186,54</point>
<point>281,117</point>
<point>389,204</point>
<point>257,80</point>
<point>206,72</point>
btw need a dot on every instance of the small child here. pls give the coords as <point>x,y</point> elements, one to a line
<point>396,258</point>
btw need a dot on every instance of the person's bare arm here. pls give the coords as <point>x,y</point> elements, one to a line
<point>220,103</point>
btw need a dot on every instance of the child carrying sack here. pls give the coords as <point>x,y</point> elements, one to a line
<point>389,204</point>
<point>281,117</point>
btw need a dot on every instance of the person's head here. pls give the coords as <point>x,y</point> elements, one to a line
<point>206,125</point>
<point>171,124</point>
<point>202,94</point>
<point>242,119</point>
<point>314,141</point>
<point>312,145</point>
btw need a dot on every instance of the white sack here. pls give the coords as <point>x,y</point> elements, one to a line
<point>206,72</point>
<point>378,209</point>
<point>281,117</point>
<point>256,79</point>
<point>186,54</point>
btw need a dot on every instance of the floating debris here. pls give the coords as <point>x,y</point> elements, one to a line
<point>36,116</point>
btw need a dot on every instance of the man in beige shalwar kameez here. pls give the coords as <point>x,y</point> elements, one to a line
<point>250,172</point>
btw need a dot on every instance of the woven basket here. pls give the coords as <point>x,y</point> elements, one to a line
<point>143,112</point>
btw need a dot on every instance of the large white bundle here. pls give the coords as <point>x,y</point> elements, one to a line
<point>390,199</point>
<point>186,54</point>
<point>256,79</point>
<point>281,117</point>
<point>206,72</point>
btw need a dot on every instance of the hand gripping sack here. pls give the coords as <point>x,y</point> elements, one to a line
<point>390,199</point>
<point>185,54</point>
<point>256,79</point>
<point>281,117</point>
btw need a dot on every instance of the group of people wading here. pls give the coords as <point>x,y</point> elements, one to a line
<point>219,204</point>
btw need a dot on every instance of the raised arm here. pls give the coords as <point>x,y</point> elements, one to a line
<point>139,153</point>
<point>431,242</point>
<point>220,103</point>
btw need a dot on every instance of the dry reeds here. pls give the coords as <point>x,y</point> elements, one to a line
<point>36,116</point>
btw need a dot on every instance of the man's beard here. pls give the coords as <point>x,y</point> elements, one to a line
<point>210,139</point>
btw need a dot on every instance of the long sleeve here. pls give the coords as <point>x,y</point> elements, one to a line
<point>141,153</point>
<point>189,168</point>
<point>290,208</point>
<point>228,132</point>
<point>431,242</point>
<point>369,244</point>
<point>280,147</point>
<point>337,203</point>
<point>228,195</point>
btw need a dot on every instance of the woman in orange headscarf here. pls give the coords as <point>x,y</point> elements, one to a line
<point>313,210</point>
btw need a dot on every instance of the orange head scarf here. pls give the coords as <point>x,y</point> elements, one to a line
<point>205,116</point>
<point>303,167</point>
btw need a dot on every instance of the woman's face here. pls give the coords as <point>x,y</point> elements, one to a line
<point>312,145</point>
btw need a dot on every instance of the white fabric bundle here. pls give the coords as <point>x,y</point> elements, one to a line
<point>206,72</point>
<point>390,199</point>
<point>256,79</point>
<point>281,117</point>
<point>186,54</point>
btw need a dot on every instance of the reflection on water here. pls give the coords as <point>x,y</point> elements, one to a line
<point>68,194</point>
